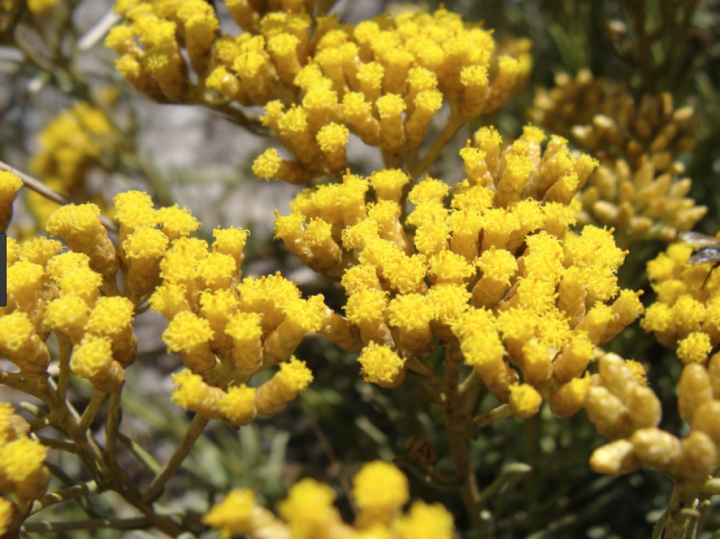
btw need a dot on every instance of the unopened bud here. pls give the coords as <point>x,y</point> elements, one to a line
<point>693,389</point>
<point>568,399</point>
<point>616,375</point>
<point>615,458</point>
<point>697,458</point>
<point>707,419</point>
<point>655,448</point>
<point>606,412</point>
<point>644,408</point>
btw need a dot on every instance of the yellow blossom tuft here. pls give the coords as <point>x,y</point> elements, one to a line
<point>308,506</point>
<point>230,241</point>
<point>294,375</point>
<point>410,312</point>
<point>192,393</point>
<point>498,264</point>
<point>638,371</point>
<point>380,364</point>
<point>238,405</point>
<point>91,356</point>
<point>177,222</point>
<point>187,331</point>
<point>147,243</point>
<point>134,209</point>
<point>525,401</point>
<point>21,458</point>
<point>426,521</point>
<point>39,250</point>
<point>694,348</point>
<point>15,330</point>
<point>233,516</point>
<point>380,487</point>
<point>388,184</point>
<point>111,316</point>
<point>64,263</point>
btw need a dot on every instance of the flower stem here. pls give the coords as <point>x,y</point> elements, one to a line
<point>454,123</point>
<point>92,409</point>
<point>496,414</point>
<point>63,495</point>
<point>193,432</point>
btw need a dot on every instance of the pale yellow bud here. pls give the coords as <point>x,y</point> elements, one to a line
<point>615,458</point>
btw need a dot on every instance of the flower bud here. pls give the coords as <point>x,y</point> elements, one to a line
<point>606,412</point>
<point>697,458</point>
<point>693,389</point>
<point>615,458</point>
<point>655,448</point>
<point>525,401</point>
<point>707,419</point>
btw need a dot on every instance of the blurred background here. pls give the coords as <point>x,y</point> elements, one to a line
<point>68,118</point>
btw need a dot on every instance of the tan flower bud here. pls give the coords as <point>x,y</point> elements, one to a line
<point>568,399</point>
<point>644,408</point>
<point>655,448</point>
<point>707,419</point>
<point>693,390</point>
<point>697,458</point>
<point>615,458</point>
<point>606,412</point>
<point>713,370</point>
<point>616,376</point>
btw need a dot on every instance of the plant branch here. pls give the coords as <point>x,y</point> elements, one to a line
<point>65,350</point>
<point>92,409</point>
<point>54,443</point>
<point>42,189</point>
<point>496,414</point>
<point>63,496</point>
<point>111,427</point>
<point>139,453</point>
<point>193,432</point>
<point>454,123</point>
<point>93,524</point>
<point>458,440</point>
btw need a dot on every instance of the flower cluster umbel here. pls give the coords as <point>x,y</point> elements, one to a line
<point>498,271</point>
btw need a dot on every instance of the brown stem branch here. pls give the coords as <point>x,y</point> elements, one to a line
<point>92,409</point>
<point>63,496</point>
<point>496,414</point>
<point>192,433</point>
<point>111,427</point>
<point>454,123</point>
<point>42,189</point>
<point>54,443</point>
<point>457,437</point>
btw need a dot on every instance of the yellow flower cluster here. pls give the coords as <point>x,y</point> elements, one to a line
<point>497,272</point>
<point>224,328</point>
<point>53,290</point>
<point>69,145</point>
<point>688,460</point>
<point>380,491</point>
<point>383,79</point>
<point>635,189</point>
<point>22,469</point>
<point>686,314</point>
